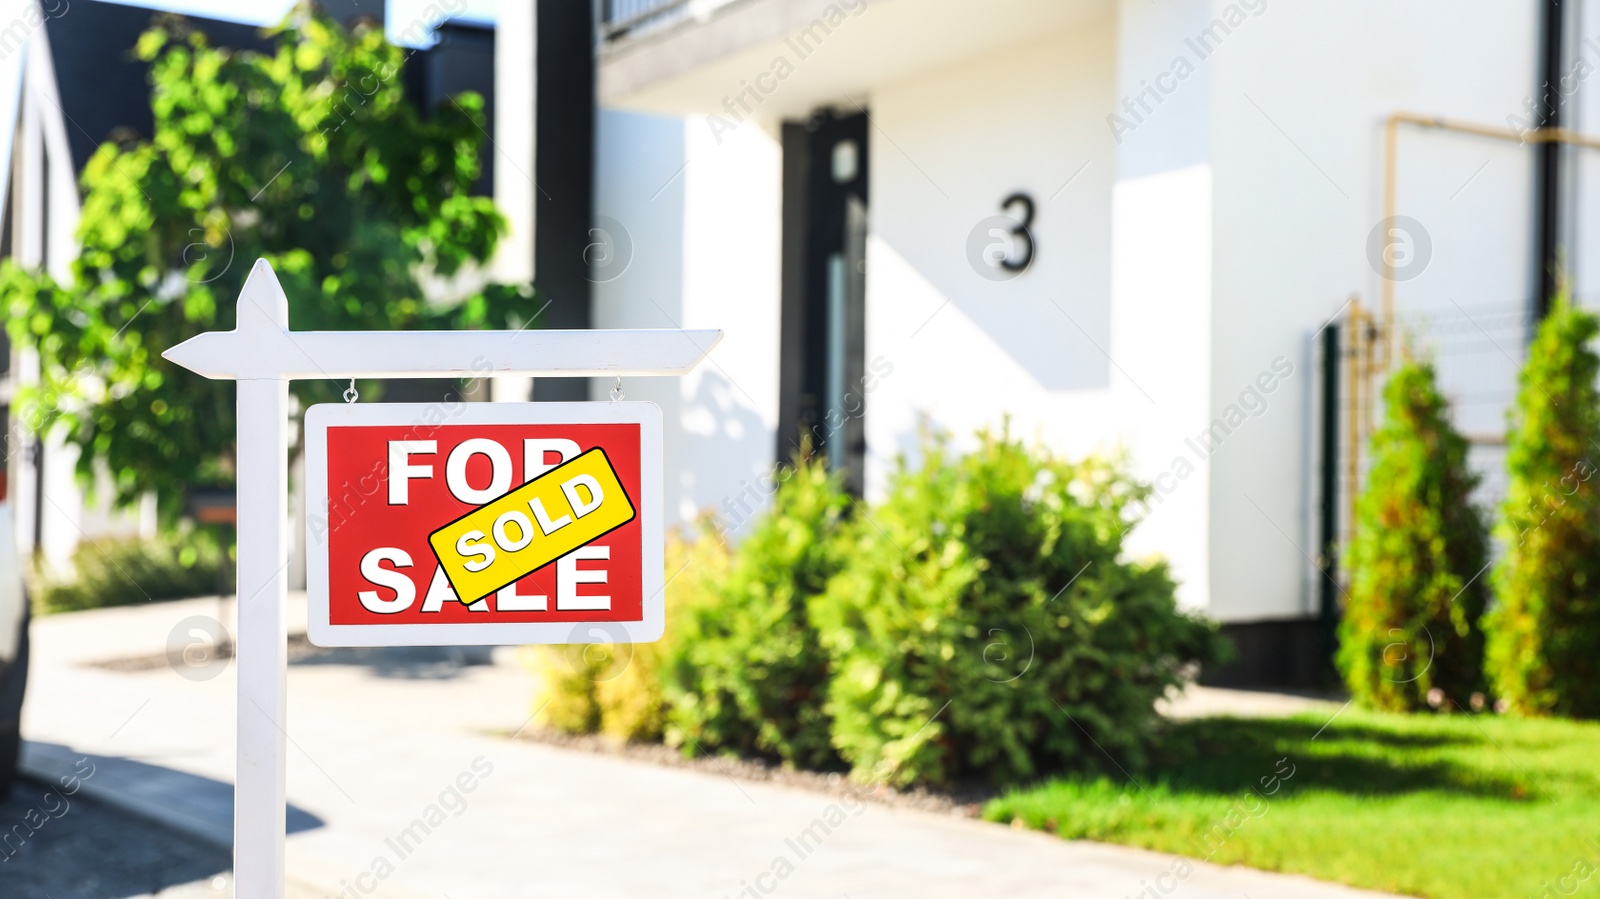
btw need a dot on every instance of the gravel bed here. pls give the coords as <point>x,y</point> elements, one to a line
<point>964,802</point>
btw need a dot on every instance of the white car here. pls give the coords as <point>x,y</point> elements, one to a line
<point>13,649</point>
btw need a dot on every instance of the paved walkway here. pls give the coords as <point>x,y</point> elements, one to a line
<point>1200,702</point>
<point>130,858</point>
<point>381,740</point>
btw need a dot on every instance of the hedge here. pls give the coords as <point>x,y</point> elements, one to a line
<point>982,622</point>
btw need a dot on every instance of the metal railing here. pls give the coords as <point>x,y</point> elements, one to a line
<point>619,18</point>
<point>1477,351</point>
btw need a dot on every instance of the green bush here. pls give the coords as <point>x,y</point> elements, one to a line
<point>564,696</point>
<point>618,690</point>
<point>1411,618</point>
<point>1544,633</point>
<point>748,672</point>
<point>606,688</point>
<point>986,624</point>
<point>124,572</point>
<point>632,706</point>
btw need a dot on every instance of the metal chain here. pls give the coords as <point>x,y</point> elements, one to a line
<point>350,394</point>
<point>616,390</point>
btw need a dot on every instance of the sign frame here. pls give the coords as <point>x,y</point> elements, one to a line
<point>261,355</point>
<point>648,504</point>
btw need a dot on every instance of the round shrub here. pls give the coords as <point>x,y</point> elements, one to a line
<point>616,689</point>
<point>747,673</point>
<point>1411,617</point>
<point>564,687</point>
<point>987,626</point>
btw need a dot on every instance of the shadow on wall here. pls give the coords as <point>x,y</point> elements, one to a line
<point>1054,339</point>
<point>720,432</point>
<point>960,363</point>
<point>1052,336</point>
<point>999,217</point>
<point>711,428</point>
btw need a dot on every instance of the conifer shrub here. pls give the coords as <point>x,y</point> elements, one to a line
<point>1544,632</point>
<point>1412,615</point>
<point>747,673</point>
<point>986,624</point>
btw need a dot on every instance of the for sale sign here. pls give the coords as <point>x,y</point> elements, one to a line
<point>483,523</point>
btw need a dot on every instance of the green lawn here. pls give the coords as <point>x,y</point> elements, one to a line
<point>1450,807</point>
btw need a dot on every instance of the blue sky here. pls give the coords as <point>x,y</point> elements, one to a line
<point>265,12</point>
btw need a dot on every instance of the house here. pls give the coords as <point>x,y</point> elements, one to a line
<point>1194,231</point>
<point>71,83</point>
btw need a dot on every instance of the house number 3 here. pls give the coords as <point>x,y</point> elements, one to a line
<point>1021,236</point>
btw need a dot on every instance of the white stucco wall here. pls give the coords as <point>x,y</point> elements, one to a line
<point>1102,342</point>
<point>1162,288</point>
<point>1299,96</point>
<point>1186,252</point>
<point>702,219</point>
<point>946,148</point>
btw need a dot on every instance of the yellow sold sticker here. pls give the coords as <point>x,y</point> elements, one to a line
<point>508,538</point>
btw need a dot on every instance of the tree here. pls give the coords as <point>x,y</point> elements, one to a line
<point>310,157</point>
<point>1544,633</point>
<point>1411,618</point>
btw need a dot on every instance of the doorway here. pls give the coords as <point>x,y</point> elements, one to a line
<point>823,338</point>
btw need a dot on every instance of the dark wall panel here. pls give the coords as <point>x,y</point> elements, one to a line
<point>564,172</point>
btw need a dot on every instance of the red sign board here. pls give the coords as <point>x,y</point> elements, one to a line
<point>484,523</point>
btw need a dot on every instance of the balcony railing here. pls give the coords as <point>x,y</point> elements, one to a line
<point>632,18</point>
<point>620,18</point>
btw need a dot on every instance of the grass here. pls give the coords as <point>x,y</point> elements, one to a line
<point>1447,806</point>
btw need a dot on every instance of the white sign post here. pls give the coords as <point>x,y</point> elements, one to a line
<point>263,355</point>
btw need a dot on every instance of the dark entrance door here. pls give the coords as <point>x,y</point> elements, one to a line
<point>821,400</point>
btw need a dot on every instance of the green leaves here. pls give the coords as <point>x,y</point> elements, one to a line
<point>311,158</point>
<point>747,672</point>
<point>1544,634</point>
<point>1410,622</point>
<point>986,623</point>
<point>980,622</point>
